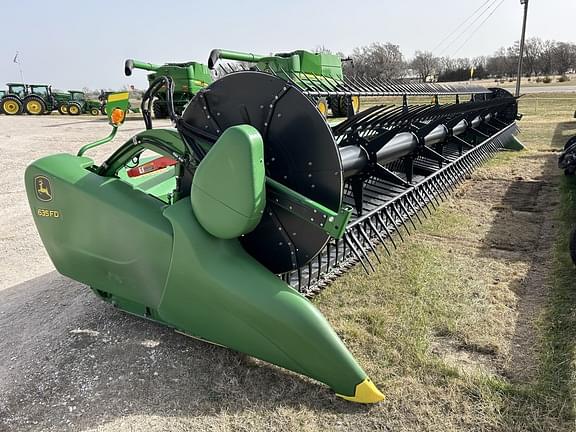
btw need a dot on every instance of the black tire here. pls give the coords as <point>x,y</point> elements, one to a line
<point>63,109</point>
<point>334,105</point>
<point>94,111</point>
<point>12,101</point>
<point>573,246</point>
<point>570,142</point>
<point>74,109</point>
<point>34,105</point>
<point>160,109</point>
<point>103,109</point>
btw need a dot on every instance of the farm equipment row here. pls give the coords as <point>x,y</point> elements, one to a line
<point>222,226</point>
<point>39,99</point>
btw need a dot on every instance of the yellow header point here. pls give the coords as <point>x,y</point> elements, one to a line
<point>366,392</point>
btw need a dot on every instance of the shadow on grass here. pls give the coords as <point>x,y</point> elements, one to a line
<point>532,226</point>
<point>70,361</point>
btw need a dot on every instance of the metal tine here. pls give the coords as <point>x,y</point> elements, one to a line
<point>362,250</point>
<point>439,191</point>
<point>414,210</point>
<point>315,85</point>
<point>310,269</point>
<point>418,192</point>
<point>431,193</point>
<point>362,83</point>
<point>408,215</point>
<point>356,254</point>
<point>351,122</point>
<point>377,232</point>
<point>393,222</point>
<point>367,238</point>
<point>397,214</point>
<point>385,227</point>
<point>337,85</point>
<point>298,85</point>
<point>328,255</point>
<point>365,117</point>
<point>354,82</point>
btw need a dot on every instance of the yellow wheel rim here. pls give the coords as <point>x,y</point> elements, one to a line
<point>73,109</point>
<point>33,107</point>
<point>356,103</point>
<point>323,108</point>
<point>10,107</point>
<point>94,112</point>
<point>64,108</point>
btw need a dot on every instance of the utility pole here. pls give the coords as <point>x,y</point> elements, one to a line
<point>520,58</point>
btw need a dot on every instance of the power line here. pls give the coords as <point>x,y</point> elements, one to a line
<point>464,31</point>
<point>459,26</point>
<point>478,28</point>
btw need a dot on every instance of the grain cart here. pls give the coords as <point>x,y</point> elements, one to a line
<point>304,67</point>
<point>188,79</point>
<point>80,105</point>
<point>223,226</point>
<point>12,101</point>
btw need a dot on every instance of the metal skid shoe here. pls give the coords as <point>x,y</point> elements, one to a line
<point>184,258</point>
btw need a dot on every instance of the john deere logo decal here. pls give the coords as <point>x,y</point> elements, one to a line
<point>43,189</point>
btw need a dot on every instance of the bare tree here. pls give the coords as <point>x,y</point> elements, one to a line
<point>425,64</point>
<point>564,57</point>
<point>378,60</point>
<point>546,58</point>
<point>532,51</point>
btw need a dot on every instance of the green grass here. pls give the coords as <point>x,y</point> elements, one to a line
<point>433,326</point>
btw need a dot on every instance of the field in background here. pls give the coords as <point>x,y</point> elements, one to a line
<point>468,326</point>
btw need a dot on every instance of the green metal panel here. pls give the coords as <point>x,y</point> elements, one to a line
<point>101,231</point>
<point>216,291</point>
<point>228,194</point>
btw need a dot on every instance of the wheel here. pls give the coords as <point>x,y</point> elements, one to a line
<point>349,105</point>
<point>160,109</point>
<point>334,105</point>
<point>322,106</point>
<point>103,109</point>
<point>94,111</point>
<point>573,246</point>
<point>356,104</point>
<point>11,105</point>
<point>34,105</point>
<point>570,142</point>
<point>63,109</point>
<point>74,109</point>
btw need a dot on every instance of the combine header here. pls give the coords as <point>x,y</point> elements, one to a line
<point>254,202</point>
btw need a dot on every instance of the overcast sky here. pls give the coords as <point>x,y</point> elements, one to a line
<point>75,44</point>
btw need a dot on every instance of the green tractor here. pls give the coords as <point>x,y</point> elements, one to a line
<point>188,79</point>
<point>304,68</point>
<point>42,100</point>
<point>79,104</point>
<point>12,100</point>
<point>34,99</point>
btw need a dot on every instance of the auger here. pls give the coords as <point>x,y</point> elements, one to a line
<point>221,226</point>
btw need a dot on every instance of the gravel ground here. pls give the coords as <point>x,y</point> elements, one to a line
<point>69,361</point>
